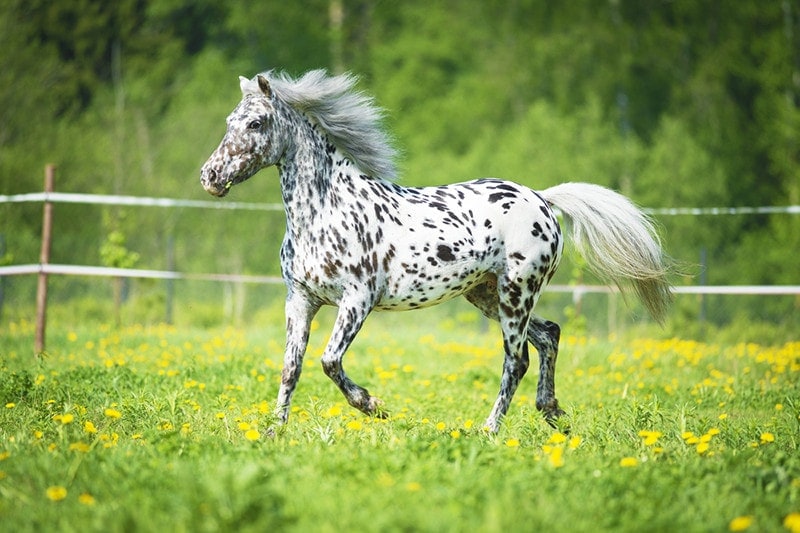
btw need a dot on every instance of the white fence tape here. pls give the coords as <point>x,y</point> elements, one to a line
<point>105,199</point>
<point>82,270</point>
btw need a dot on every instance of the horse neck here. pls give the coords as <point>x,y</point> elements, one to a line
<point>305,170</point>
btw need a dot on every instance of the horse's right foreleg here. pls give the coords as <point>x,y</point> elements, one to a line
<point>299,313</point>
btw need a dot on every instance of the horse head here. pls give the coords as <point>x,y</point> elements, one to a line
<point>251,141</point>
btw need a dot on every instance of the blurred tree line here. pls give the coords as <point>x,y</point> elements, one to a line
<point>683,103</point>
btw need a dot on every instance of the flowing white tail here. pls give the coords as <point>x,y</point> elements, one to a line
<point>617,240</point>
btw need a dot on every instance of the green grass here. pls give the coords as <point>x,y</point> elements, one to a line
<point>150,428</point>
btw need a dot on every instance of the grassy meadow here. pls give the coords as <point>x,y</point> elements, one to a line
<point>164,428</point>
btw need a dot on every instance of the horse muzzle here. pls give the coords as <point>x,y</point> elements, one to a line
<point>213,183</point>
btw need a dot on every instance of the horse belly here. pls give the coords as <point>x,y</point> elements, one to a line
<point>419,289</point>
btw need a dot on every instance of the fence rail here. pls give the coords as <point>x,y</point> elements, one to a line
<point>45,268</point>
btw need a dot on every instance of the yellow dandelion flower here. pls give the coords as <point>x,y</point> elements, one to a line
<point>79,446</point>
<point>778,406</point>
<point>455,434</point>
<point>38,434</point>
<point>723,416</point>
<point>767,438</point>
<point>712,432</point>
<point>56,493</point>
<point>557,438</point>
<point>413,486</point>
<point>740,523</point>
<point>10,405</point>
<point>628,462</point>
<point>86,499</point>
<point>88,427</point>
<point>512,443</point>
<point>574,442</point>
<point>4,455</point>
<point>333,411</point>
<point>354,425</point>
<point>792,522</point>
<point>112,413</point>
<point>650,437</point>
<point>252,435</point>
<point>66,418</point>
<point>702,447</point>
<point>244,426</point>
<point>468,424</point>
<point>441,426</point>
<point>686,435</point>
<point>556,457</point>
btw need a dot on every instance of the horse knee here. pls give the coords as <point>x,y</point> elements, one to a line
<point>331,368</point>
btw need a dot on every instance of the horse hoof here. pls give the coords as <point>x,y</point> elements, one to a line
<point>555,419</point>
<point>375,408</point>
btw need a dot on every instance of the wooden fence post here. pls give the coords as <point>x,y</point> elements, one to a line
<point>44,259</point>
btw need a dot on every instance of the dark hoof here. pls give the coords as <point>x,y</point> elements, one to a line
<point>554,416</point>
<point>375,408</point>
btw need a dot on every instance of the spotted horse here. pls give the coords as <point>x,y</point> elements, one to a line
<point>357,240</point>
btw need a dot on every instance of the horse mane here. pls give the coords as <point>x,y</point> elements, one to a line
<point>351,119</point>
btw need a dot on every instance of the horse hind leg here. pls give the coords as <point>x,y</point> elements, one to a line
<point>348,323</point>
<point>514,310</point>
<point>545,335</point>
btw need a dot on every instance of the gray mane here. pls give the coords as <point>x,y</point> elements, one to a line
<point>351,119</point>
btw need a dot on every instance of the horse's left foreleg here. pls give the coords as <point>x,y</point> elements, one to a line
<point>348,323</point>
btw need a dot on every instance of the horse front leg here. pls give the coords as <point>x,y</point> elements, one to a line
<point>299,313</point>
<point>348,323</point>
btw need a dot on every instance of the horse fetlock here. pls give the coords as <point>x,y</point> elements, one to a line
<point>492,425</point>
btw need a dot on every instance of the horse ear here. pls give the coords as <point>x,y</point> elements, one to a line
<point>243,84</point>
<point>263,84</point>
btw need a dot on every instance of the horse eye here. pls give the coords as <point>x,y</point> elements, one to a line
<point>254,125</point>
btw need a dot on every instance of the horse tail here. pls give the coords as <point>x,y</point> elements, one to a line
<point>618,241</point>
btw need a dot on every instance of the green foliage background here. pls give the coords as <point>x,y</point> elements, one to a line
<point>677,104</point>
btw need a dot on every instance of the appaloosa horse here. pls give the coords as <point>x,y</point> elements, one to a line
<point>358,241</point>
